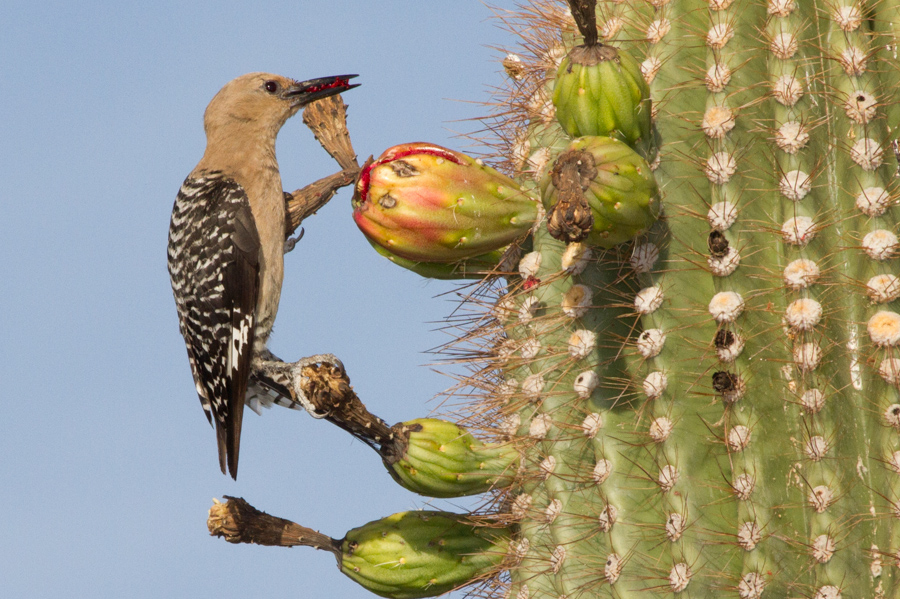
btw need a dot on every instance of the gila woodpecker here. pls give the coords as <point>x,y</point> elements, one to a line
<point>226,242</point>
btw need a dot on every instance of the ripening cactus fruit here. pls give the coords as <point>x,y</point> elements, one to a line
<point>423,203</point>
<point>437,458</point>
<point>706,404</point>
<point>420,554</point>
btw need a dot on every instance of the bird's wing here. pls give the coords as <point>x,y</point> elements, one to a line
<point>214,250</point>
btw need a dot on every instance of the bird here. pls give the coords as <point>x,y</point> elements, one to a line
<point>226,242</point>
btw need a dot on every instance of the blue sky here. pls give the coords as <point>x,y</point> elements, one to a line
<point>108,465</point>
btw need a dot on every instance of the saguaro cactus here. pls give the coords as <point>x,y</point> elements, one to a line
<point>719,415</point>
<point>711,408</point>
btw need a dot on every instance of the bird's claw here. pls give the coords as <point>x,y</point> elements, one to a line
<point>291,242</point>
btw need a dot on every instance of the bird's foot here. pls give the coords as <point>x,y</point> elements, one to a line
<point>291,242</point>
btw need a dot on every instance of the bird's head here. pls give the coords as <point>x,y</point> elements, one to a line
<point>265,101</point>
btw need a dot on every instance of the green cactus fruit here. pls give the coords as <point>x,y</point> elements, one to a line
<point>616,182</point>
<point>438,458</point>
<point>475,267</point>
<point>425,203</point>
<point>421,554</point>
<point>599,91</point>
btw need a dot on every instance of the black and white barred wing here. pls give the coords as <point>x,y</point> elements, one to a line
<point>214,250</point>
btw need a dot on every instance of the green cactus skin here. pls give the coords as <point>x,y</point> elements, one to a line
<point>623,194</point>
<point>716,415</point>
<point>442,459</point>
<point>600,91</point>
<point>420,554</point>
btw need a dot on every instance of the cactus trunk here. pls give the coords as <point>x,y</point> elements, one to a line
<point>720,418</point>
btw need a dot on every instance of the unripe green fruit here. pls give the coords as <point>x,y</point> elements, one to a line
<point>420,554</point>
<point>617,183</point>
<point>475,267</point>
<point>442,459</point>
<point>599,90</point>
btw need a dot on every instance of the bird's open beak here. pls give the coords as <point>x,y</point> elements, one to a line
<point>304,92</point>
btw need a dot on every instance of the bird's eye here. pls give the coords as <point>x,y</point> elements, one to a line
<point>271,86</point>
